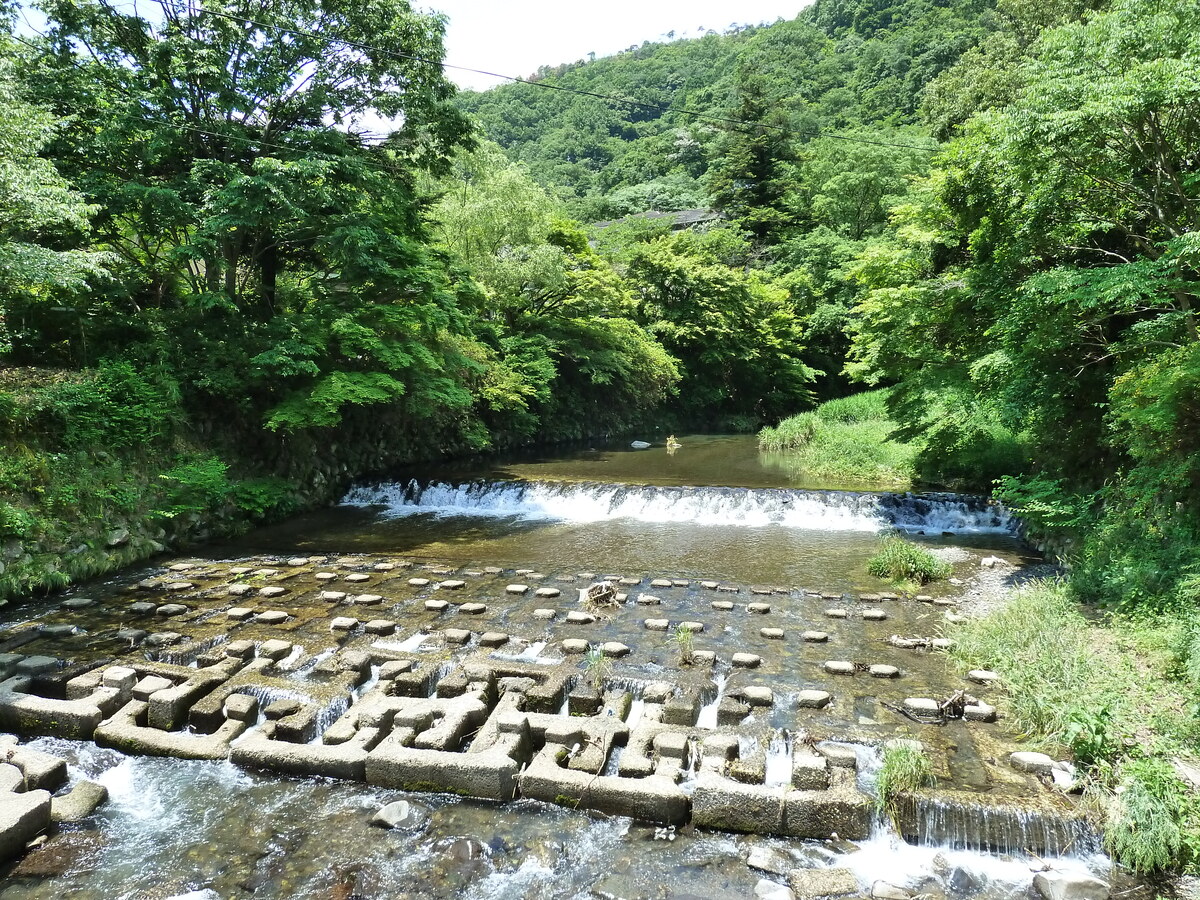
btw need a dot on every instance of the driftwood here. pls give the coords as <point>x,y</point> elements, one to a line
<point>602,593</point>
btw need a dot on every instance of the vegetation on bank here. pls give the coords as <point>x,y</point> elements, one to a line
<point>1118,696</point>
<point>904,770</point>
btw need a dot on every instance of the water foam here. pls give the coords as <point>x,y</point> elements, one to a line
<point>585,502</point>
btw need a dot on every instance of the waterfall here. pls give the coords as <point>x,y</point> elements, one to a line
<point>584,502</point>
<point>1001,829</point>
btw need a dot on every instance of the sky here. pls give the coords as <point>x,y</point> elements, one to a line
<point>514,37</point>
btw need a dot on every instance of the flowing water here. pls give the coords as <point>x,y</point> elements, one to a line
<point>715,509</point>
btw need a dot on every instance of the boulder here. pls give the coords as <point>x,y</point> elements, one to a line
<point>768,859</point>
<point>401,815</point>
<point>1070,886</point>
<point>813,884</point>
<point>78,803</point>
<point>812,699</point>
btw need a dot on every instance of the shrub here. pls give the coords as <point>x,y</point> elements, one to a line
<point>902,560</point>
<point>1145,818</point>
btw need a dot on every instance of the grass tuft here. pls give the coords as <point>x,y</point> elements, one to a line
<point>905,769</point>
<point>901,560</point>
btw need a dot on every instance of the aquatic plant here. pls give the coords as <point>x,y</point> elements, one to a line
<point>902,560</point>
<point>905,769</point>
<point>596,667</point>
<point>682,639</point>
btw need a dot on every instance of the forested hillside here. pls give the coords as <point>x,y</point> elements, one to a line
<point>212,272</point>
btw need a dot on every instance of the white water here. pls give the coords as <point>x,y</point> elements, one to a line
<point>707,717</point>
<point>746,507</point>
<point>779,760</point>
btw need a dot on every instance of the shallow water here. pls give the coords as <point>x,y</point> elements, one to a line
<point>211,830</point>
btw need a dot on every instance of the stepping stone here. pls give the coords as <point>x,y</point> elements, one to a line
<point>142,608</point>
<point>240,649</point>
<point>535,576</point>
<point>492,570</point>
<point>240,613</point>
<point>955,618</point>
<point>889,595</point>
<point>614,649</point>
<point>274,650</point>
<point>53,631</point>
<point>272,617</point>
<point>772,634</point>
<point>944,601</point>
<point>452,584</point>
<point>176,586</point>
<point>368,600</point>
<point>281,709</point>
<point>380,626</point>
<point>941,643</point>
<point>547,592</point>
<point>709,657</point>
<point>693,627</point>
<point>661,583</point>
<point>728,589</point>
<point>983,676</point>
<point>163,639</point>
<point>241,707</point>
<point>923,598</point>
<point>709,585</point>
<point>723,605</point>
<point>456,635</point>
<point>266,573</point>
<point>473,609</point>
<point>383,567</point>
<point>358,578</point>
<point>238,590</point>
<point>756,695</point>
<point>830,595</point>
<point>78,603</point>
<point>517,589</point>
<point>120,677</point>
<point>524,571</point>
<point>343,623</point>
<point>680,582</point>
<point>648,600</point>
<point>298,561</point>
<point>870,598</point>
<point>418,582</point>
<point>493,639</point>
<point>746,660</point>
<point>657,624</point>
<point>1034,763</point>
<point>171,609</point>
<point>333,596</point>
<point>133,635</point>
<point>149,685</point>
<point>180,567</point>
<point>761,591</point>
<point>436,605</point>
<point>575,645</point>
<point>325,576</point>
<point>633,581</point>
<point>760,608</point>
<point>575,617</point>
<point>813,699</point>
<point>814,637</point>
<point>874,615</point>
<point>272,591</point>
<point>883,671</point>
<point>390,669</point>
<point>835,613</point>
<point>839,667</point>
<point>979,712</point>
<point>924,706</point>
<point>240,570</point>
<point>473,573</point>
<point>545,613</point>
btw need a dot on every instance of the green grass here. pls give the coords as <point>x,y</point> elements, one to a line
<point>845,440</point>
<point>684,643</point>
<point>904,561</point>
<point>1116,696</point>
<point>905,769</point>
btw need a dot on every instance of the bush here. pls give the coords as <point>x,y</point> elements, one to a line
<point>1145,827</point>
<point>902,560</point>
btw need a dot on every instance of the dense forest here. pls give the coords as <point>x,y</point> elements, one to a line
<point>214,272</point>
